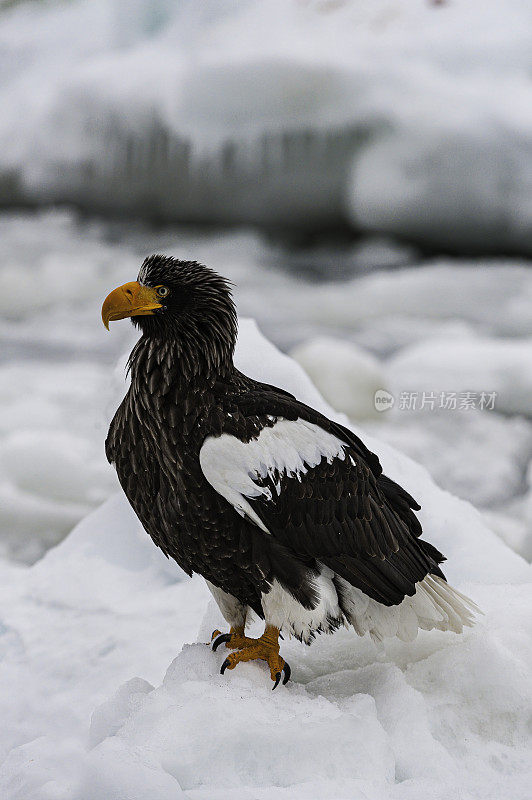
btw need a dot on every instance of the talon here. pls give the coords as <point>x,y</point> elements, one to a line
<point>265,648</point>
<point>214,634</point>
<point>224,666</point>
<point>287,672</point>
<point>223,637</point>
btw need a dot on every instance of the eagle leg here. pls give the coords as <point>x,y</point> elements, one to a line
<point>234,640</point>
<point>266,648</point>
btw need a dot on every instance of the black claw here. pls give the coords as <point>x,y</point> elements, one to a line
<point>223,637</point>
<point>287,672</point>
<point>277,679</point>
<point>224,666</point>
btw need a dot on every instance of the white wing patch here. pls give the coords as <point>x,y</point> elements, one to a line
<point>289,447</point>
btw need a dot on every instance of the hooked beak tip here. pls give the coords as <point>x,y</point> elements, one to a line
<point>131,299</point>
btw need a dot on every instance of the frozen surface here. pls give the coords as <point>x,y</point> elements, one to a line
<point>478,455</point>
<point>487,365</point>
<point>443,324</point>
<point>108,690</point>
<point>346,375</point>
<point>52,426</point>
<point>390,116</point>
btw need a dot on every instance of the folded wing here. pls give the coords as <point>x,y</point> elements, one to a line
<point>312,485</point>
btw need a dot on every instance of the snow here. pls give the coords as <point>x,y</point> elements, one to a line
<point>515,532</point>
<point>442,188</point>
<point>484,365</point>
<point>346,375</point>
<point>409,120</point>
<point>477,455</point>
<point>389,116</point>
<point>451,292</point>
<point>52,472</point>
<point>109,690</point>
<point>350,328</point>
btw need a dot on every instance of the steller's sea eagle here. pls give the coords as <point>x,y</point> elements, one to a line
<point>280,509</point>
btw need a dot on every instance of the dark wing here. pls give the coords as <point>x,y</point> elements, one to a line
<point>314,486</point>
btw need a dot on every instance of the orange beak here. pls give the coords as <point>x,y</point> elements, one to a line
<point>130,300</point>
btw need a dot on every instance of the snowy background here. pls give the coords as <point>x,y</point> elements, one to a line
<point>362,171</point>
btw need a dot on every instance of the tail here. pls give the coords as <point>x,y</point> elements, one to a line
<point>435,605</point>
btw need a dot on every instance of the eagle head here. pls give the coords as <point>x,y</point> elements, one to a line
<point>183,301</point>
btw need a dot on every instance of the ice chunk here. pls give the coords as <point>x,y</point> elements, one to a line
<point>382,114</point>
<point>499,367</point>
<point>108,718</point>
<point>346,375</point>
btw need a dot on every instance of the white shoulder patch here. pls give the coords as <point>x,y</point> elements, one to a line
<point>289,447</point>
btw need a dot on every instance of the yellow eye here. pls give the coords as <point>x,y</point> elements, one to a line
<point>162,291</point>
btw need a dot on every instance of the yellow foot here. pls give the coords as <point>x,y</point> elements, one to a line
<point>266,649</point>
<point>234,640</point>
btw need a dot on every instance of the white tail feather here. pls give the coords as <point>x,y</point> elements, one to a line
<point>434,605</point>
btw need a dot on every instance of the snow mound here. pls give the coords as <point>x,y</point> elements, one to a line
<point>346,375</point>
<point>91,628</point>
<point>436,718</point>
<point>51,467</point>
<point>516,533</point>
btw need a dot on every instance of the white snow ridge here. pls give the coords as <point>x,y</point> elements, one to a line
<point>110,692</point>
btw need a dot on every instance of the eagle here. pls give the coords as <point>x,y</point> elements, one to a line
<point>284,512</point>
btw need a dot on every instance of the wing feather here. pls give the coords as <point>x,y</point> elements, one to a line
<point>315,487</point>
